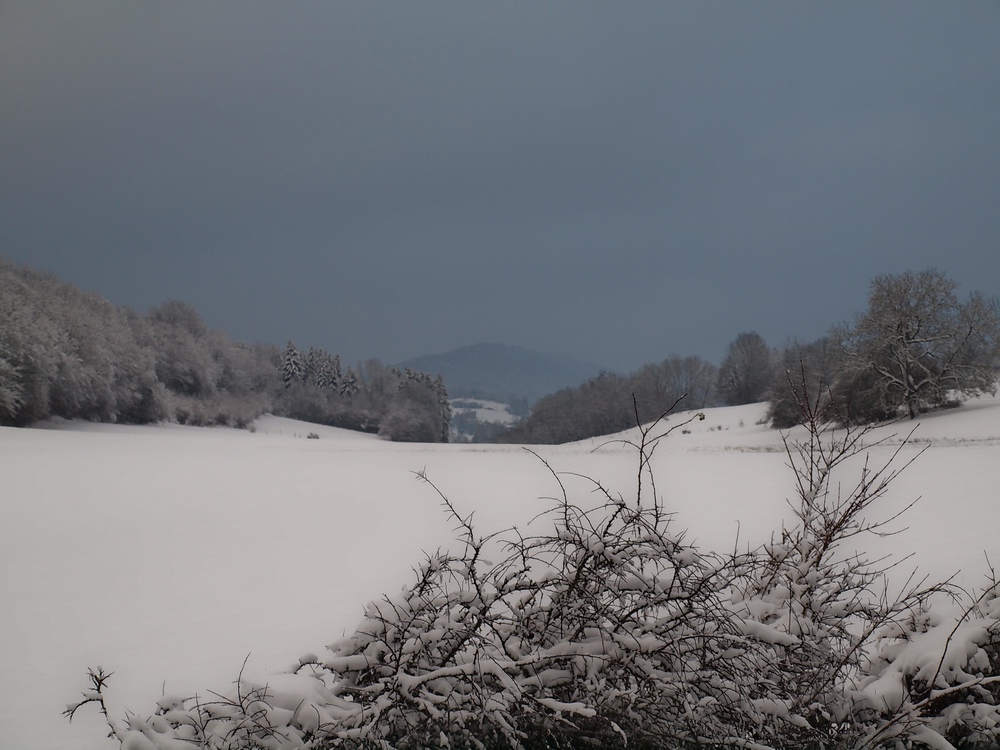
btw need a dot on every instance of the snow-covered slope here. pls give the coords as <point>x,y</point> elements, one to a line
<point>168,554</point>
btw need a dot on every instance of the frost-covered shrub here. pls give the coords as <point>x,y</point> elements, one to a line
<point>847,659</point>
<point>220,410</point>
<point>608,627</point>
<point>824,605</point>
<point>938,672</point>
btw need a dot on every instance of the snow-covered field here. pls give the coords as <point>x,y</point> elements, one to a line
<point>168,554</point>
<point>493,412</point>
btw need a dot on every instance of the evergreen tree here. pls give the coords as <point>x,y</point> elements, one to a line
<point>324,375</point>
<point>444,406</point>
<point>335,373</point>
<point>293,366</point>
<point>312,365</point>
<point>349,384</point>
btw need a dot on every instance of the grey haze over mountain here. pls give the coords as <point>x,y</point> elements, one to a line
<point>502,372</point>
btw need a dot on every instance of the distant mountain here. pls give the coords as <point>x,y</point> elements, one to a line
<point>503,373</point>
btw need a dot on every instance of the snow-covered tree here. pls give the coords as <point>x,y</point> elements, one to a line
<point>917,344</point>
<point>311,360</point>
<point>444,407</point>
<point>10,390</point>
<point>326,371</point>
<point>658,385</point>
<point>184,359</point>
<point>348,384</point>
<point>335,372</point>
<point>419,410</point>
<point>293,366</point>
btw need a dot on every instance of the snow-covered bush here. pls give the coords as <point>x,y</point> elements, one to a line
<point>609,630</point>
<point>936,675</point>
<point>608,627</point>
<point>823,604</point>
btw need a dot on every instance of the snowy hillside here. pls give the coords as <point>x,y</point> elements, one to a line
<point>167,554</point>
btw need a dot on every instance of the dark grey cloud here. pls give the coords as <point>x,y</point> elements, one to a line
<point>615,181</point>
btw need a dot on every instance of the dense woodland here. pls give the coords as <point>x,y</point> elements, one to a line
<point>66,353</point>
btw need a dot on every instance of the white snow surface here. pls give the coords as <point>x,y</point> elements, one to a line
<point>485,411</point>
<point>168,554</point>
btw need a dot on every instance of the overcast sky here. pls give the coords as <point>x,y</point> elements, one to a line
<point>617,181</point>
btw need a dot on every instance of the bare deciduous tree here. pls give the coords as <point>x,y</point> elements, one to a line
<point>917,343</point>
<point>745,373</point>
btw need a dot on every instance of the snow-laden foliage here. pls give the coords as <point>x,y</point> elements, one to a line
<point>64,353</point>
<point>608,627</point>
<point>937,674</point>
<point>610,630</point>
<point>824,605</point>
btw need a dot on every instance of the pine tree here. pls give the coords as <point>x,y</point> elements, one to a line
<point>324,375</point>
<point>335,374</point>
<point>349,384</point>
<point>293,366</point>
<point>313,358</point>
<point>444,404</point>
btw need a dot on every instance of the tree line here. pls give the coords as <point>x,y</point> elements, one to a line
<point>610,403</point>
<point>67,353</point>
<point>70,354</point>
<point>403,405</point>
<point>917,347</point>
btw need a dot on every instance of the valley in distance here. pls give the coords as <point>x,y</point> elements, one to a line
<point>493,386</point>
